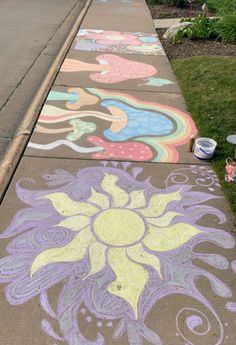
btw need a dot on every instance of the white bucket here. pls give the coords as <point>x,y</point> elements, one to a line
<point>204,148</point>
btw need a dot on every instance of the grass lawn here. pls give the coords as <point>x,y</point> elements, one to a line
<point>209,87</point>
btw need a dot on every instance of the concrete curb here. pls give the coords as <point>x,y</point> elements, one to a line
<point>20,140</point>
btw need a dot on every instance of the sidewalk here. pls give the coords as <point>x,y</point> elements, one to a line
<point>111,231</point>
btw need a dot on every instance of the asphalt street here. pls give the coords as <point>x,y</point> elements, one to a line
<point>31,34</point>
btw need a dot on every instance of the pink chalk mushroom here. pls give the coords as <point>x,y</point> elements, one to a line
<point>134,151</point>
<point>111,69</point>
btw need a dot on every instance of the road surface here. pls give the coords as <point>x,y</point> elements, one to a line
<point>31,34</point>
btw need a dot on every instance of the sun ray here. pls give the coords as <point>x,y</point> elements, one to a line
<point>137,199</point>
<point>169,238</point>
<point>75,223</point>
<point>125,287</point>
<point>138,254</point>
<point>65,206</point>
<point>99,199</point>
<point>97,257</point>
<point>165,220</point>
<point>158,203</point>
<point>119,196</point>
<point>73,251</point>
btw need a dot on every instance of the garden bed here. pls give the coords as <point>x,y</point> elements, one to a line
<point>195,47</point>
<point>168,11</point>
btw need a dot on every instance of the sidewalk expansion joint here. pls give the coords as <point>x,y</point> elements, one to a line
<point>200,163</point>
<point>116,89</point>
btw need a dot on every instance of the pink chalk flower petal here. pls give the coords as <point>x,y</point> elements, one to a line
<point>115,38</point>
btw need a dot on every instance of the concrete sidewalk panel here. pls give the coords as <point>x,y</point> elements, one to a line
<point>111,124</point>
<point>126,72</point>
<point>124,2</point>
<point>127,3</point>
<point>127,23</point>
<point>102,9</point>
<point>118,42</point>
<point>134,4</point>
<point>116,252</point>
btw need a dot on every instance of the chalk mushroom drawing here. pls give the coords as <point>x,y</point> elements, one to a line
<point>113,69</point>
<point>138,130</point>
<point>118,245</point>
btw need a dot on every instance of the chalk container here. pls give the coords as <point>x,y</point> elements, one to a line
<point>204,148</point>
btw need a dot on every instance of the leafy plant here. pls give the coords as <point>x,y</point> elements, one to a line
<point>226,28</point>
<point>201,28</point>
<point>151,2</point>
<point>180,3</point>
<point>222,7</point>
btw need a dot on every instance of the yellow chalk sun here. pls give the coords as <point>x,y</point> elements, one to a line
<point>123,228</point>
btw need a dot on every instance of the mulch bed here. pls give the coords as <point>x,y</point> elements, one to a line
<point>168,11</point>
<point>195,48</point>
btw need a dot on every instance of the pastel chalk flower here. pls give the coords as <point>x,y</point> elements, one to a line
<point>114,38</point>
<point>149,39</point>
<point>88,46</point>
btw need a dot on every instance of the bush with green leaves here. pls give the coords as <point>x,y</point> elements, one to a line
<point>226,28</point>
<point>180,3</point>
<point>201,28</point>
<point>222,7</point>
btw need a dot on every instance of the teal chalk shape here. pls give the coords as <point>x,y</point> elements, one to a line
<point>158,82</point>
<point>63,96</point>
<point>80,128</point>
<point>148,39</point>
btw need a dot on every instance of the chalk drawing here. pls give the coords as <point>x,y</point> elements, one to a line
<point>113,69</point>
<point>124,119</point>
<point>118,42</point>
<point>118,245</point>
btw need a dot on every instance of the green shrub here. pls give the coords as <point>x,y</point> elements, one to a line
<point>226,28</point>
<point>180,3</point>
<point>222,7</point>
<point>151,2</point>
<point>201,28</point>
